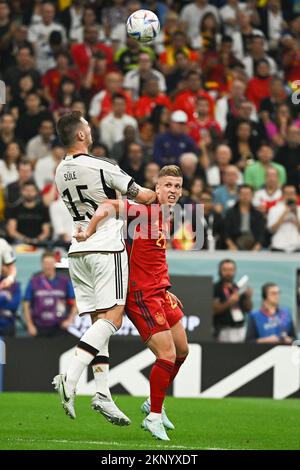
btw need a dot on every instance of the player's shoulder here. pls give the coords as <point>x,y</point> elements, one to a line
<point>89,159</point>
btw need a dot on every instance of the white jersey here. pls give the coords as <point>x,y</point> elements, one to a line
<point>83,182</point>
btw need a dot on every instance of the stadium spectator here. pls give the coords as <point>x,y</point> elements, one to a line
<point>8,166</point>
<point>171,144</point>
<point>39,34</point>
<point>89,18</point>
<point>133,162</point>
<point>7,131</point>
<point>277,130</point>
<point>213,223</point>
<point>10,298</point>
<point>245,113</point>
<point>227,106</point>
<point>225,195</point>
<point>190,168</point>
<point>179,42</point>
<point>229,16</point>
<point>127,57</point>
<point>259,86</point>
<point>269,105</point>
<point>82,53</point>
<point>243,36</point>
<point>229,306</point>
<point>24,67</point>
<point>176,78</point>
<point>7,28</point>
<point>193,13</point>
<point>49,306</point>
<point>112,126</point>
<point>150,175</point>
<point>288,155</point>
<point>215,174</point>
<point>71,18</point>
<point>150,98</point>
<point>284,222</point>
<point>39,146</point>
<point>101,104</point>
<point>114,15</point>
<point>28,222</point>
<point>272,22</point>
<point>51,80</point>
<point>94,80</point>
<point>66,96</point>
<point>257,54</point>
<point>13,190</point>
<point>185,100</point>
<point>203,126</point>
<point>244,225</point>
<point>255,173</point>
<point>119,149</point>
<point>271,323</point>
<point>208,38</point>
<point>243,145</point>
<point>30,121</point>
<point>45,167</point>
<point>270,194</point>
<point>135,80</point>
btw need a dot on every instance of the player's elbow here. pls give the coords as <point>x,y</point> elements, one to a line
<point>145,196</point>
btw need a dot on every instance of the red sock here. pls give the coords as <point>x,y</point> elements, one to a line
<point>178,363</point>
<point>159,381</point>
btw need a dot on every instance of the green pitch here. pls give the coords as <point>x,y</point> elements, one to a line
<point>37,421</point>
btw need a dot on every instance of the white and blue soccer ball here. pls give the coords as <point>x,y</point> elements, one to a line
<point>143,26</point>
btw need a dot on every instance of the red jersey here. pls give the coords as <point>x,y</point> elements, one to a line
<point>146,249</point>
<point>145,105</point>
<point>186,101</point>
<point>82,53</point>
<point>52,79</point>
<point>199,129</point>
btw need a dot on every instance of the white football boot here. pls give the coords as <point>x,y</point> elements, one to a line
<point>145,408</point>
<point>107,407</point>
<point>156,428</point>
<point>67,402</point>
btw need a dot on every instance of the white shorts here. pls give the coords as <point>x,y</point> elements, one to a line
<point>100,280</point>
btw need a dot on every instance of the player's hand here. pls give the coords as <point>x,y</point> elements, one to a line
<point>32,330</point>
<point>80,234</point>
<point>66,323</point>
<point>6,282</point>
<point>175,299</point>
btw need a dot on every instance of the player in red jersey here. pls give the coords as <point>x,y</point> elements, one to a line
<point>154,310</point>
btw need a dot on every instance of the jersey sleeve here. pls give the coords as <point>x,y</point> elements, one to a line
<point>7,253</point>
<point>116,178</point>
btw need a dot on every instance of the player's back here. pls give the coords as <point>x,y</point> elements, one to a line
<point>83,182</point>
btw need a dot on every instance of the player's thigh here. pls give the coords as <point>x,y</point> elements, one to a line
<point>162,345</point>
<point>110,280</point>
<point>82,281</point>
<point>146,311</point>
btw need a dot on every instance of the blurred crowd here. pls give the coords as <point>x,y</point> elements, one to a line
<point>216,93</point>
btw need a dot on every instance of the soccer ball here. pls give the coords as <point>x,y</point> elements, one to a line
<point>143,25</point>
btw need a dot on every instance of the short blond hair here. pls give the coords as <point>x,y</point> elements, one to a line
<point>170,170</point>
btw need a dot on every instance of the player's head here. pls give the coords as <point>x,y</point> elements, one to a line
<point>169,185</point>
<point>227,270</point>
<point>73,129</point>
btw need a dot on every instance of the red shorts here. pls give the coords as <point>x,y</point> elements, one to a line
<point>152,311</point>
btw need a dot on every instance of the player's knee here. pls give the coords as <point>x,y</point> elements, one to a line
<point>182,351</point>
<point>118,322</point>
<point>168,353</point>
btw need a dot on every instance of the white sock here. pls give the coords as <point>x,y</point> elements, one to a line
<point>154,416</point>
<point>93,340</point>
<point>100,366</point>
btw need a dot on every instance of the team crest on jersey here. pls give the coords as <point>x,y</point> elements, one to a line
<point>160,319</point>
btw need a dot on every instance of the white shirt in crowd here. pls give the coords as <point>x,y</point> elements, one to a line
<point>112,128</point>
<point>248,63</point>
<point>61,220</point>
<point>132,82</point>
<point>287,236</point>
<point>213,176</point>
<point>44,171</point>
<point>37,148</point>
<point>96,104</point>
<point>39,35</point>
<point>237,43</point>
<point>221,111</point>
<point>8,175</point>
<point>262,197</point>
<point>192,15</point>
<point>275,25</point>
<point>229,13</point>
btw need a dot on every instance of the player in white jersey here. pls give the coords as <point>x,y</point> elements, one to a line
<point>98,267</point>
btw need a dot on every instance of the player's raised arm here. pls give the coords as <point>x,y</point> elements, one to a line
<point>109,208</point>
<point>141,195</point>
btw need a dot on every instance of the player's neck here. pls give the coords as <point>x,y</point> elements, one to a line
<point>77,148</point>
